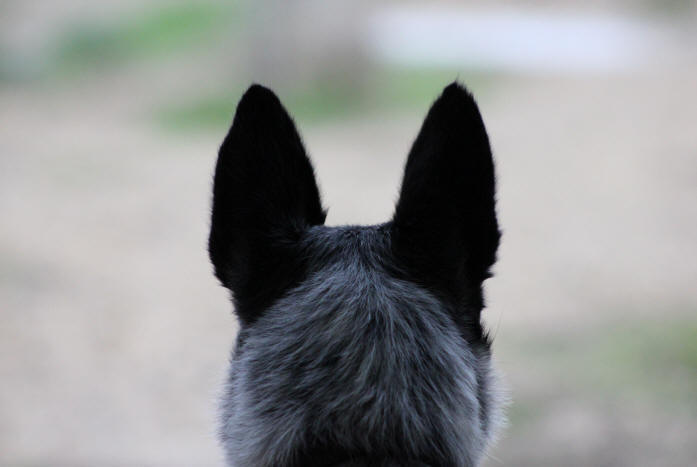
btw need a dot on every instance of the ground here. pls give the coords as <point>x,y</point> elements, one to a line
<point>115,335</point>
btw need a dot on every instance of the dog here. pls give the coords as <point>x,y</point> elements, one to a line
<point>358,345</point>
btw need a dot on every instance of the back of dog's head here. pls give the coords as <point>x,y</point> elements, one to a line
<point>358,345</point>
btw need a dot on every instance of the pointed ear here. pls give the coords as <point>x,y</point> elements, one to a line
<point>444,229</point>
<point>264,197</point>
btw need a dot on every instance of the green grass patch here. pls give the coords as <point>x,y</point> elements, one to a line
<point>156,32</point>
<point>387,91</point>
<point>649,361</point>
<point>669,7</point>
<point>416,88</point>
<point>212,112</point>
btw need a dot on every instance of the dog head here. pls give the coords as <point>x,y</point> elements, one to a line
<point>356,343</point>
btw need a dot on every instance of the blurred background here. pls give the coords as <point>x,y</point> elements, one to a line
<point>114,335</point>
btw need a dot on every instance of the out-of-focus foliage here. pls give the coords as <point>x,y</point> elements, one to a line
<point>164,31</point>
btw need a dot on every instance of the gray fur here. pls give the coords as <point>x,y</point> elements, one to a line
<point>358,357</point>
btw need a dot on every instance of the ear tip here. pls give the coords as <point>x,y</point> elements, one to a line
<point>257,95</point>
<point>258,89</point>
<point>455,87</point>
<point>455,106</point>
<point>457,91</point>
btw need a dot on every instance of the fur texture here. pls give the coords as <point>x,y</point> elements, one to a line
<point>359,345</point>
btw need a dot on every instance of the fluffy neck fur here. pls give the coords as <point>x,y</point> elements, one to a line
<point>376,370</point>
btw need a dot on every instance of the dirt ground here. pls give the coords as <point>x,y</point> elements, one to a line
<point>115,335</point>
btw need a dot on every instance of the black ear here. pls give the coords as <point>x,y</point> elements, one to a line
<point>444,229</point>
<point>264,197</point>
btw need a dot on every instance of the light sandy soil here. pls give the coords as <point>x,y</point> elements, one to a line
<point>115,336</point>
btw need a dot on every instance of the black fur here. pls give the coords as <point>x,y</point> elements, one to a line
<point>264,198</point>
<point>359,346</point>
<point>445,229</point>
